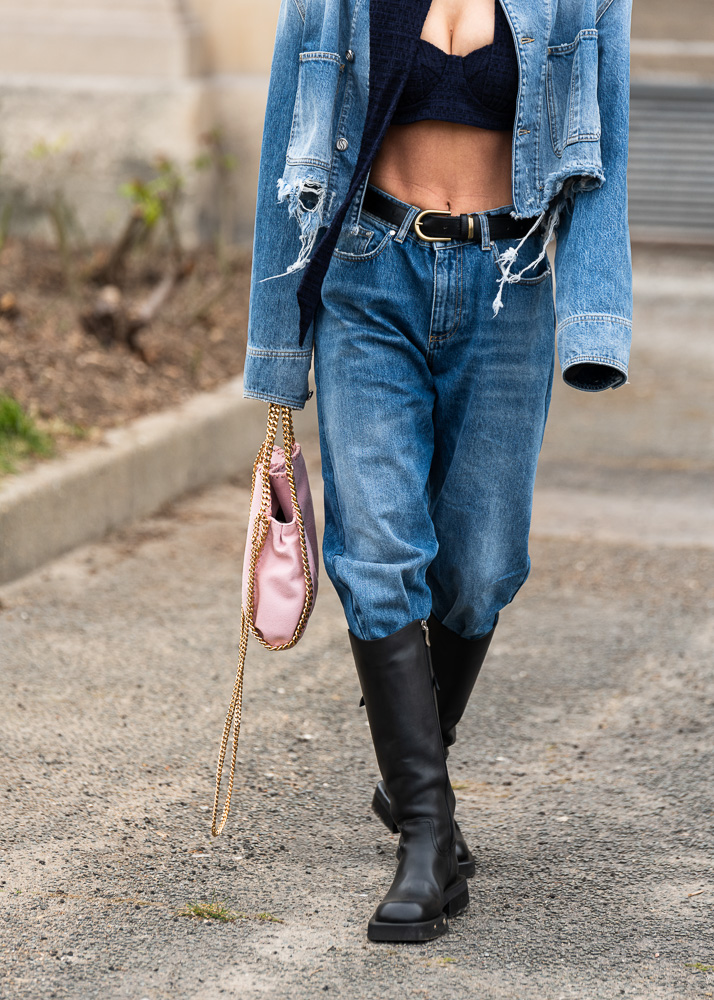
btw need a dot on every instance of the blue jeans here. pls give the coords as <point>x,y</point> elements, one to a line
<point>431,415</point>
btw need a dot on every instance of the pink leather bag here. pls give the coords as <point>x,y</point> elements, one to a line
<point>280,568</point>
<point>274,595</point>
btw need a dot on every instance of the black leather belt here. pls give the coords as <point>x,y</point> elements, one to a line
<point>436,226</point>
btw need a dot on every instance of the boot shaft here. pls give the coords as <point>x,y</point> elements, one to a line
<point>456,664</point>
<point>397,683</point>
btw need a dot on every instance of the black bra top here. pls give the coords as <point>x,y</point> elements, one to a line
<point>478,89</point>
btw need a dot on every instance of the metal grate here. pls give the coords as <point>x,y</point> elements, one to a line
<point>671,167</point>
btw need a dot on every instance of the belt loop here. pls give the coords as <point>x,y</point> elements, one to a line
<point>406,224</point>
<point>485,231</point>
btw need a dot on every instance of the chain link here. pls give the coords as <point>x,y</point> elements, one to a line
<point>247,622</point>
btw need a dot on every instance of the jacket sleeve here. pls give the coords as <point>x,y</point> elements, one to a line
<point>276,367</point>
<point>593,265</point>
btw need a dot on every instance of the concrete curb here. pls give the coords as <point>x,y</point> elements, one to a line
<point>135,471</point>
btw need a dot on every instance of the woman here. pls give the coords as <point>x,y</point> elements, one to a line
<point>425,153</point>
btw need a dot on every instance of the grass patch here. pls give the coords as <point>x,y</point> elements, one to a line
<point>20,437</point>
<point>216,910</point>
<point>699,967</point>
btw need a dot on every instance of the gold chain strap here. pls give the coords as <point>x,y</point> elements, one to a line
<point>247,623</point>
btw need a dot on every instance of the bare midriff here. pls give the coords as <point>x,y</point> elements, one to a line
<point>443,165</point>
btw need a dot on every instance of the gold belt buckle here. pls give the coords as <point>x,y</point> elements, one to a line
<point>417,226</point>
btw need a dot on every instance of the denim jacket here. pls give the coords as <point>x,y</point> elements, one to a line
<point>339,67</point>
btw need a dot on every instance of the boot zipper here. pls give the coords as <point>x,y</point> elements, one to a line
<point>427,639</point>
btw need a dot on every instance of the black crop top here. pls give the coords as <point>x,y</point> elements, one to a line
<point>478,89</point>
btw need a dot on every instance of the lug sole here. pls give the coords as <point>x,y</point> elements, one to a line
<point>457,902</point>
<point>429,930</point>
<point>456,899</point>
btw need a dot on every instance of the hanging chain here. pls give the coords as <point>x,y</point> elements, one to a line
<point>235,712</point>
<point>247,623</point>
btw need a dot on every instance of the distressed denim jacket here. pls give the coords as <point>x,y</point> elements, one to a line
<point>339,67</point>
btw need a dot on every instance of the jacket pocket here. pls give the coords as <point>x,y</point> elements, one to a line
<point>311,132</point>
<point>572,75</point>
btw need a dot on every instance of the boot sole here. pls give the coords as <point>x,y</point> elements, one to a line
<point>382,810</point>
<point>456,899</point>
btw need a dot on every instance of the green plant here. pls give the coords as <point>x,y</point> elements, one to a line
<point>268,917</point>
<point>156,199</point>
<point>215,910</point>
<point>19,435</point>
<point>153,201</point>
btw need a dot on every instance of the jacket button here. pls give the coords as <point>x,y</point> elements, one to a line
<point>349,55</point>
<point>342,144</point>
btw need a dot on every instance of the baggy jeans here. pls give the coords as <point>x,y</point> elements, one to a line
<point>431,412</point>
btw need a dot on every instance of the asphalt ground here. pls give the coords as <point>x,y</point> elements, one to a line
<point>583,769</point>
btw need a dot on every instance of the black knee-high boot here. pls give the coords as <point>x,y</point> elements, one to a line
<point>397,684</point>
<point>457,663</point>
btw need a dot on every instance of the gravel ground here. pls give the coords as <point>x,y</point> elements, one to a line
<point>583,769</point>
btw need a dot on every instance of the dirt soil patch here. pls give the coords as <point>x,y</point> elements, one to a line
<point>78,386</point>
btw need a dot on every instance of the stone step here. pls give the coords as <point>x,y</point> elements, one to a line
<point>152,38</point>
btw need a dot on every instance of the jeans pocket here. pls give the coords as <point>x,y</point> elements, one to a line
<point>535,273</point>
<point>365,241</point>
